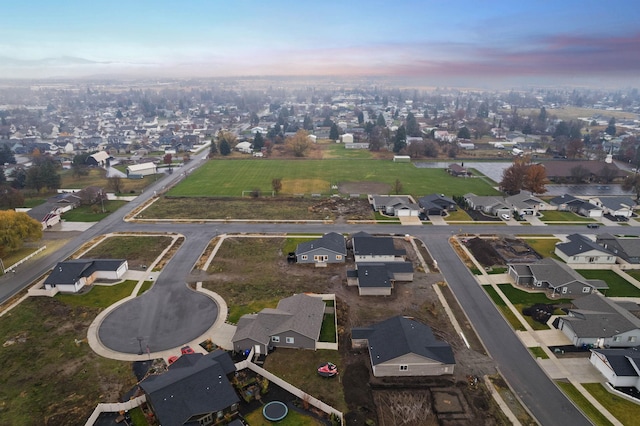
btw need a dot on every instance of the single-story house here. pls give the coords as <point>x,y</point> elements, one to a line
<point>436,204</point>
<point>395,205</point>
<point>492,205</point>
<point>195,390</point>
<point>367,248</point>
<point>554,276</point>
<point>597,321</point>
<point>582,250</point>
<point>457,170</point>
<point>378,278</point>
<point>402,346</point>
<point>582,207</point>
<point>621,367</point>
<point>525,203</point>
<point>71,275</point>
<point>294,323</point>
<point>47,214</point>
<point>627,249</point>
<point>244,147</point>
<point>330,248</point>
<point>143,169</point>
<point>615,206</point>
<point>100,159</point>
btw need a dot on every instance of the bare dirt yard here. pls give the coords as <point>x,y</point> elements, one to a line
<point>250,272</point>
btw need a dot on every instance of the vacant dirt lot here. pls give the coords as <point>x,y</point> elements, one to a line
<point>247,271</point>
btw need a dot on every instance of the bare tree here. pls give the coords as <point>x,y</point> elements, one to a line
<point>116,184</point>
<point>276,184</point>
<point>397,187</point>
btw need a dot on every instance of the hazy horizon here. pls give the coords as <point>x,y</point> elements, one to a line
<point>459,43</point>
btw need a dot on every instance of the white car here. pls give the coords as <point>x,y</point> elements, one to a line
<point>505,216</point>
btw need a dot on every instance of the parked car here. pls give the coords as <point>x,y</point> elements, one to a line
<point>186,350</point>
<point>505,216</point>
<point>593,225</point>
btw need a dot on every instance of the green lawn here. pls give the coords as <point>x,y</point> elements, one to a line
<point>458,215</point>
<point>294,418</point>
<point>32,202</point>
<point>584,405</point>
<point>545,247</point>
<point>18,255</point>
<point>92,213</point>
<point>141,249</point>
<point>519,297</point>
<point>558,216</point>
<point>618,286</point>
<point>231,177</point>
<point>99,296</point>
<point>626,411</point>
<point>337,150</point>
<point>328,330</point>
<point>144,287</point>
<point>502,306</point>
<point>634,273</point>
<point>538,352</point>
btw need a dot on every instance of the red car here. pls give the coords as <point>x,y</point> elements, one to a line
<point>186,350</point>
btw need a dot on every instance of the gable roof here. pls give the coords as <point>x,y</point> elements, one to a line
<point>617,203</point>
<point>70,271</point>
<point>100,156</point>
<point>623,362</point>
<point>400,336</point>
<point>435,201</point>
<point>564,199</point>
<point>596,316</point>
<point>300,313</point>
<point>630,246</point>
<point>194,384</point>
<point>331,241</point>
<point>375,246</point>
<point>579,244</point>
<point>557,274</point>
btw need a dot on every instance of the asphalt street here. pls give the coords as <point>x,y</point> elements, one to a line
<point>171,314</point>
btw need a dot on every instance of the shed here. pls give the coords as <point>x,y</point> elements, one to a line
<point>143,169</point>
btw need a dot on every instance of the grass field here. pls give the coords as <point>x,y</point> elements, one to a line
<point>231,177</point>
<point>140,249</point>
<point>521,299</point>
<point>300,369</point>
<point>618,286</point>
<point>458,215</point>
<point>86,213</point>
<point>294,418</point>
<point>46,377</point>
<point>556,216</point>
<point>337,150</point>
<point>538,352</point>
<point>585,406</point>
<point>97,177</point>
<point>625,411</point>
<point>545,247</point>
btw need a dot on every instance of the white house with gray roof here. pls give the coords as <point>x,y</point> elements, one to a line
<point>402,346</point>
<point>395,205</point>
<point>72,275</point>
<point>597,321</point>
<point>581,250</point>
<point>330,248</point>
<point>294,323</point>
<point>367,248</point>
<point>615,206</point>
<point>621,367</point>
<point>627,249</point>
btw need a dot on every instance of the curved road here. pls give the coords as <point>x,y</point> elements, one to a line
<point>171,314</point>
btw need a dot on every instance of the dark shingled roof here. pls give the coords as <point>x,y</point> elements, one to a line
<point>400,336</point>
<point>332,241</point>
<point>579,244</point>
<point>195,384</point>
<point>621,360</point>
<point>598,316</point>
<point>70,271</point>
<point>375,246</point>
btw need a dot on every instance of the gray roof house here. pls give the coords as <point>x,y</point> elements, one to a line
<point>525,203</point>
<point>569,203</point>
<point>627,249</point>
<point>436,204</point>
<point>367,248</point>
<point>71,275</point>
<point>194,391</point>
<point>580,249</point>
<point>295,323</point>
<point>615,206</point>
<point>378,278</point>
<point>402,346</point>
<point>492,205</point>
<point>597,321</point>
<point>554,276</point>
<point>330,248</point>
<point>621,367</point>
<point>395,205</point>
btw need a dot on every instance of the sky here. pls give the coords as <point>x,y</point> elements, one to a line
<point>453,42</point>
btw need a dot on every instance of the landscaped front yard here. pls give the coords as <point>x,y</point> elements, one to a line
<point>545,247</point>
<point>559,216</point>
<point>93,213</point>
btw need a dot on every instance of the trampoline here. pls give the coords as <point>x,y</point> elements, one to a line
<point>275,411</point>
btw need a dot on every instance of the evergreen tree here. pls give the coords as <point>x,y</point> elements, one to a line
<point>381,121</point>
<point>464,133</point>
<point>413,128</point>
<point>400,141</point>
<point>225,149</point>
<point>213,149</point>
<point>307,123</point>
<point>611,128</point>
<point>334,133</point>
<point>6,155</point>
<point>258,141</point>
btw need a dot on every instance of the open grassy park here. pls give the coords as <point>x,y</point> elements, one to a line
<point>231,177</point>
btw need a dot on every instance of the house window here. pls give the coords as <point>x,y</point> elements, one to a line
<point>290,340</point>
<point>206,420</point>
<point>575,257</point>
<point>304,257</point>
<point>592,259</point>
<point>220,414</point>
<point>320,257</point>
<point>586,289</point>
<point>631,339</point>
<point>404,368</point>
<point>338,257</point>
<point>564,290</point>
<point>617,338</point>
<point>275,339</point>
